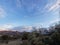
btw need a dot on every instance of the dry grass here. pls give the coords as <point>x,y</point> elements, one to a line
<point>15,42</point>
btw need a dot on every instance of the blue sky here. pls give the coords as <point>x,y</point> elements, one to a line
<point>28,12</point>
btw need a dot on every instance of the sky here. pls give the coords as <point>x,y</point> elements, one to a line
<point>40,13</point>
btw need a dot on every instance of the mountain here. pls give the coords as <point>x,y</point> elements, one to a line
<point>9,32</point>
<point>23,28</point>
<point>30,28</point>
<point>20,29</point>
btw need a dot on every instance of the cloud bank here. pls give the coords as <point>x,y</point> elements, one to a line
<point>6,27</point>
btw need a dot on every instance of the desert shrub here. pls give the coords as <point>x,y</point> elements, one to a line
<point>5,37</point>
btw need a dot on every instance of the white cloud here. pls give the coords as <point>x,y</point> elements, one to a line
<point>2,12</point>
<point>6,27</point>
<point>26,28</point>
<point>38,25</point>
<point>23,28</point>
<point>53,22</point>
<point>54,6</point>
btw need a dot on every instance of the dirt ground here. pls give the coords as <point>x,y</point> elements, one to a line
<point>15,42</point>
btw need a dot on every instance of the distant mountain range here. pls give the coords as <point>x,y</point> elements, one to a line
<point>20,29</point>
<point>9,32</point>
<point>19,33</point>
